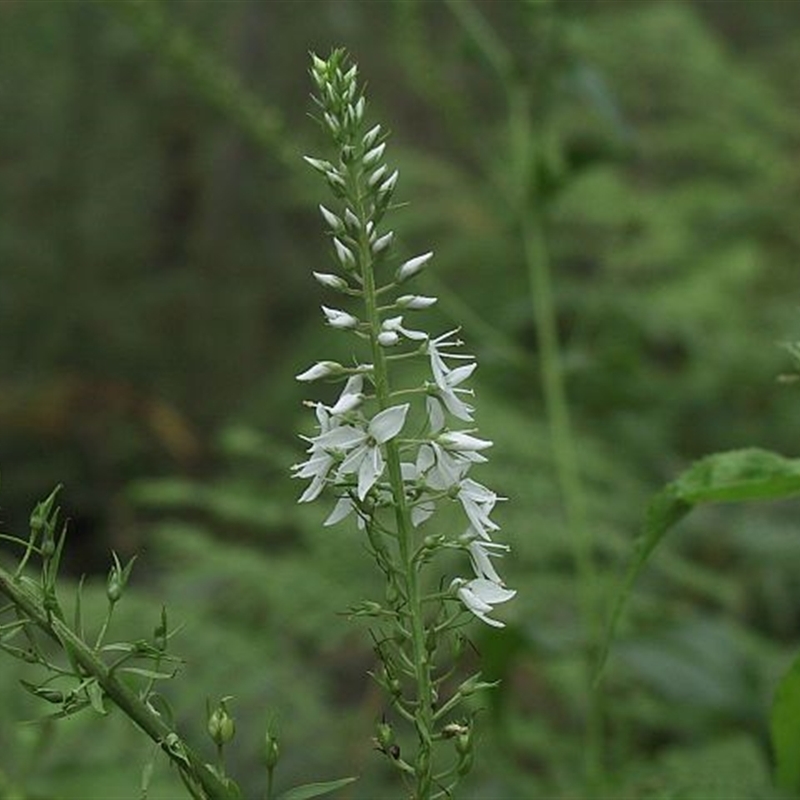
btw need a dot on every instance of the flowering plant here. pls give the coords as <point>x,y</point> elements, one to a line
<point>391,456</point>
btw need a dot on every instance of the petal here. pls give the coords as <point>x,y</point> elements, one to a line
<point>481,563</point>
<point>460,374</point>
<point>342,509</point>
<point>369,471</point>
<point>345,437</point>
<point>313,490</point>
<point>388,423</point>
<point>353,461</point>
<point>462,442</point>
<point>490,592</point>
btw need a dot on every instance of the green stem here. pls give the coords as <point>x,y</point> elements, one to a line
<point>526,146</point>
<point>422,669</point>
<point>189,764</point>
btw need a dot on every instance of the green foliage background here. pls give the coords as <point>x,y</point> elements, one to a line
<point>157,235</point>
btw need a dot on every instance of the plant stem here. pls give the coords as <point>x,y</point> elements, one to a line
<point>190,764</point>
<point>526,141</point>
<point>424,707</point>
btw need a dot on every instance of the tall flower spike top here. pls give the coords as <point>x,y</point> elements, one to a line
<point>363,452</point>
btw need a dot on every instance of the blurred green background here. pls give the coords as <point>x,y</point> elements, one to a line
<point>157,237</point>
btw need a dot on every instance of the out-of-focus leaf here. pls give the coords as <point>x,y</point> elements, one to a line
<point>735,476</point>
<point>309,790</point>
<point>785,729</point>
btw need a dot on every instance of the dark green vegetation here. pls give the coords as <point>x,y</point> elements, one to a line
<point>157,235</point>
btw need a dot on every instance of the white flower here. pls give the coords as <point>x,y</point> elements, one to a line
<point>479,595</point>
<point>478,502</point>
<point>351,396</point>
<point>343,508</point>
<point>441,472</point>
<point>479,555</point>
<point>365,456</point>
<point>444,396</point>
<point>395,325</point>
<point>437,352</point>
<point>318,465</point>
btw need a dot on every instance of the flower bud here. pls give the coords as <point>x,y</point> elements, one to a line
<point>330,281</point>
<point>384,735</point>
<point>459,441</point>
<point>415,302</point>
<point>343,253</point>
<point>351,220</point>
<point>371,136</point>
<point>48,548</point>
<point>377,175</point>
<point>411,267</point>
<point>387,187</point>
<point>382,242</point>
<point>221,726</point>
<point>371,157</point>
<point>271,750</point>
<point>322,369</point>
<point>334,222</point>
<point>325,167</point>
<point>117,578</point>
<point>361,105</point>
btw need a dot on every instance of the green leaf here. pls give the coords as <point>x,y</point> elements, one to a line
<point>310,790</point>
<point>785,729</point>
<point>735,476</point>
<point>149,673</point>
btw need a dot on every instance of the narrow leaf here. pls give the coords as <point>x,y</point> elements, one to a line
<point>310,790</point>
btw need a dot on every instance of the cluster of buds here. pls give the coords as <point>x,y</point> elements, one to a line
<point>362,431</point>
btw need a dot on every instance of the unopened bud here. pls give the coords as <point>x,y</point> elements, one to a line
<point>343,253</point>
<point>221,727</point>
<point>413,266</point>
<point>382,242</point>
<point>334,222</point>
<point>271,750</point>
<point>322,369</point>
<point>371,136</point>
<point>330,281</point>
<point>416,302</point>
<point>371,157</point>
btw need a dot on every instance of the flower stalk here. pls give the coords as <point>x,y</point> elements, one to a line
<point>391,482</point>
